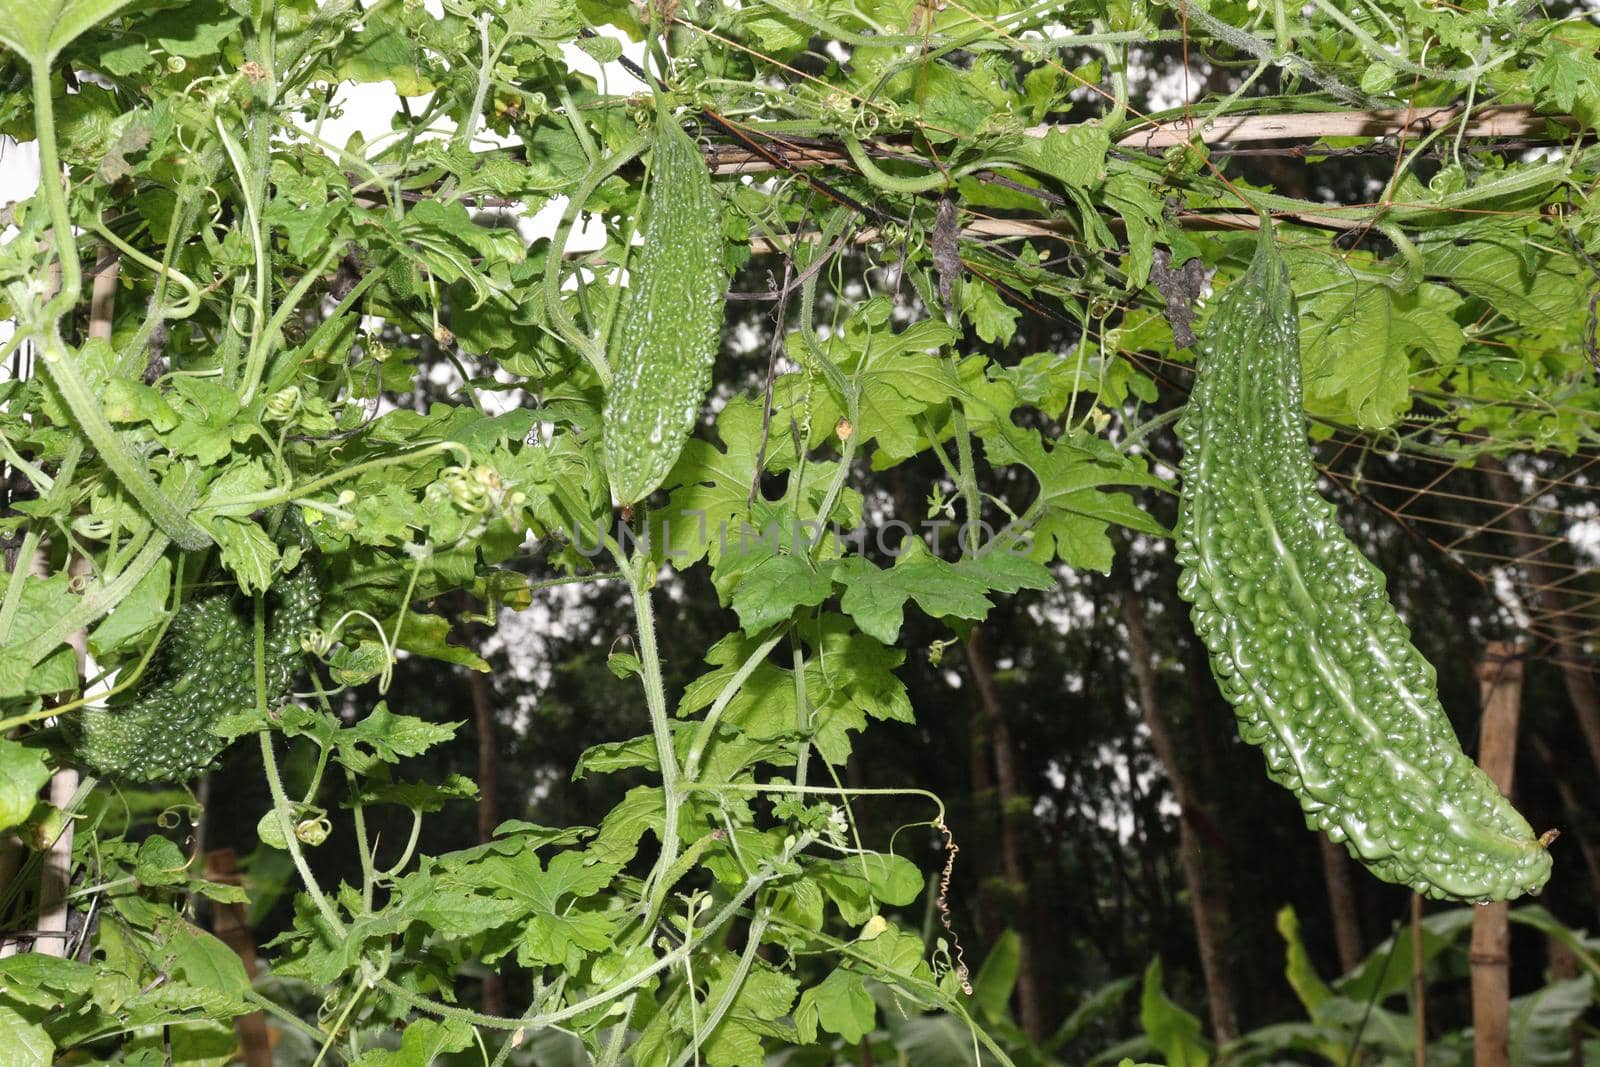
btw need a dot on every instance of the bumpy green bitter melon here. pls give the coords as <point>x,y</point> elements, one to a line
<point>204,669</point>
<point>1303,639</point>
<point>671,323</point>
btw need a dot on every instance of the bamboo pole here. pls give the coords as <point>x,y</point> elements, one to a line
<point>1500,682</point>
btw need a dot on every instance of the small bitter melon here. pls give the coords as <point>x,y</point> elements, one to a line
<point>671,324</point>
<point>1303,639</point>
<point>203,669</point>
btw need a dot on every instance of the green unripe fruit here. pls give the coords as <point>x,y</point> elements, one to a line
<point>205,669</point>
<point>1303,639</point>
<point>671,323</point>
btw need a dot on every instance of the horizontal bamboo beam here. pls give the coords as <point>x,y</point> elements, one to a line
<point>1494,121</point>
<point>1512,120</point>
<point>1053,228</point>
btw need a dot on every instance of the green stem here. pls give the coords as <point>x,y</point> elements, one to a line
<point>58,362</point>
<point>98,601</point>
<point>294,1022</point>
<point>468,127</point>
<point>256,353</point>
<point>273,497</point>
<point>55,196</point>
<point>605,996</point>
<point>191,302</point>
<point>638,573</point>
<point>579,130</point>
<point>55,500</point>
<point>63,372</point>
<point>291,301</point>
<point>894,183</point>
<point>708,725</point>
<point>281,805</point>
<point>758,927</point>
<point>559,318</point>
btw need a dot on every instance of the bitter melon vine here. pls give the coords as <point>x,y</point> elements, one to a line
<point>672,321</point>
<point>204,669</point>
<point>1303,639</point>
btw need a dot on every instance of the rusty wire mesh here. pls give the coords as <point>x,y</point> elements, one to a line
<point>1526,528</point>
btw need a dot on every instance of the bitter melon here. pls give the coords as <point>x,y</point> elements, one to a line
<point>671,322</point>
<point>1303,639</point>
<point>204,669</point>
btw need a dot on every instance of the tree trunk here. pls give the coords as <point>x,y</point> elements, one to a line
<point>1210,921</point>
<point>1500,681</point>
<point>1030,1008</point>
<point>232,928</point>
<point>488,763</point>
<point>1550,600</point>
<point>1342,904</point>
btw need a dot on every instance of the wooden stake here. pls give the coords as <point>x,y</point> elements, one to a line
<point>232,927</point>
<point>1500,683</point>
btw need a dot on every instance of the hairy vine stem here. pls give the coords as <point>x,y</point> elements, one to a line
<point>639,575</point>
<point>670,959</point>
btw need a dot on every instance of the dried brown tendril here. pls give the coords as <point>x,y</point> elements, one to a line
<point>943,904</point>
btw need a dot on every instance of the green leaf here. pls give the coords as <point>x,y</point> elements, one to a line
<point>160,862</point>
<point>1357,338</point>
<point>44,601</point>
<point>771,590</point>
<point>39,31</point>
<point>1173,1031</point>
<point>710,509</point>
<point>422,1043</point>
<point>247,551</point>
<point>381,736</point>
<point>1388,967</point>
<point>1568,80</point>
<point>1076,155</point>
<point>1140,211</point>
<point>764,996</point>
<point>22,1044</point>
<point>898,377</point>
<point>133,402</point>
<point>195,29</point>
<point>141,610</point>
<point>427,635</point>
<point>540,889</point>
<point>998,976</point>
<point>1512,274</point>
<point>1069,518</point>
<point>207,963</point>
<point>424,797</point>
<point>23,773</point>
<point>898,954</point>
<point>858,884</point>
<point>641,810</point>
<point>385,49</point>
<point>993,318</point>
<point>840,1005</point>
<point>565,940</point>
<point>458,912</point>
<point>1298,968</point>
<point>875,597</point>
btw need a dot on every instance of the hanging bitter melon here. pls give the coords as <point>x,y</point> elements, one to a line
<point>671,322</point>
<point>1303,639</point>
<point>204,669</point>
